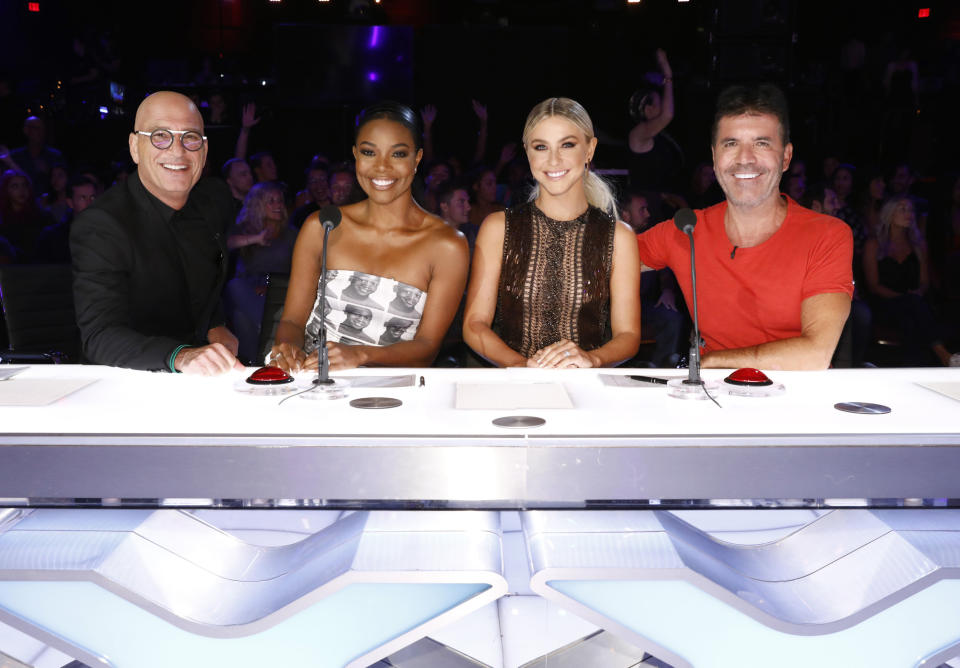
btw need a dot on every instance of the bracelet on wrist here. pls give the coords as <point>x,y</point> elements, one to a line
<point>173,357</point>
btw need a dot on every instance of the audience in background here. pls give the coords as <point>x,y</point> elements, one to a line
<point>873,193</point>
<point>437,173</point>
<point>897,271</point>
<point>236,172</point>
<point>454,204</point>
<point>21,220</point>
<point>264,244</point>
<point>53,245</point>
<point>264,167</point>
<point>317,191</point>
<point>37,158</point>
<point>662,316</point>
<point>55,199</point>
<point>859,175</point>
<point>656,159</point>
<point>485,202</point>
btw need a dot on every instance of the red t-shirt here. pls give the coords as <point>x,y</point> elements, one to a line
<point>753,296</point>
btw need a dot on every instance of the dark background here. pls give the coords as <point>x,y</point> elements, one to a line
<point>308,65</point>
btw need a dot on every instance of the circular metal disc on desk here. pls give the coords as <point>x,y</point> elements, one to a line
<point>862,407</point>
<point>519,421</point>
<point>375,402</point>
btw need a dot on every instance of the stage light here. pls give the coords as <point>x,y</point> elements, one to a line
<point>923,13</point>
<point>33,6</point>
<point>633,2</point>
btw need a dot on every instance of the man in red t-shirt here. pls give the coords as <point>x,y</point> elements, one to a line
<point>774,280</point>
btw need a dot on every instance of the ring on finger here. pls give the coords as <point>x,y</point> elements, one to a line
<point>566,353</point>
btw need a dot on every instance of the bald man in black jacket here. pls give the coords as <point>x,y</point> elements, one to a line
<point>149,256</point>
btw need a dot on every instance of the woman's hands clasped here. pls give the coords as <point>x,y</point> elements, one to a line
<point>563,354</point>
<point>292,359</point>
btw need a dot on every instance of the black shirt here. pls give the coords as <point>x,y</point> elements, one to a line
<point>147,278</point>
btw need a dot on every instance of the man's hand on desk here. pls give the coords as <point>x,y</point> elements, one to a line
<point>209,360</point>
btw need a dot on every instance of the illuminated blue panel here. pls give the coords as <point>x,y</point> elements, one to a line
<point>343,626</point>
<point>708,633</point>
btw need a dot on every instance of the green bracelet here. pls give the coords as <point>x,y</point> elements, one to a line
<point>173,357</point>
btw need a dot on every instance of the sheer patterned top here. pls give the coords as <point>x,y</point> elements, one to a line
<point>554,279</point>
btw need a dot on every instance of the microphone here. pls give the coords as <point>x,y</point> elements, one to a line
<point>686,220</point>
<point>329,218</point>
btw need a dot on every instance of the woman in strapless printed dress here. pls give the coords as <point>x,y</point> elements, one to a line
<point>387,251</point>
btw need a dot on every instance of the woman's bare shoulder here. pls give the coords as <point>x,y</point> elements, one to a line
<point>493,226</point>
<point>623,230</point>
<point>444,236</point>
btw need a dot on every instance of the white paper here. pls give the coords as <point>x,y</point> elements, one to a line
<point>378,381</point>
<point>7,372</point>
<point>951,390</point>
<point>512,396</point>
<point>39,391</point>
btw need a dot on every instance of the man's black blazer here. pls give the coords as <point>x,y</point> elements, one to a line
<point>148,278</point>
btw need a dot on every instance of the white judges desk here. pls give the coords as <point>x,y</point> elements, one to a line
<point>604,488</point>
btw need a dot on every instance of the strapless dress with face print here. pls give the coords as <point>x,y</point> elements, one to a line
<point>365,309</point>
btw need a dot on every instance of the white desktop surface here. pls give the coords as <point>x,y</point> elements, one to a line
<point>124,402</point>
<point>135,435</point>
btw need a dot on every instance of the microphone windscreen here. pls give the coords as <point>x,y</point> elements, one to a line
<point>685,220</point>
<point>330,216</point>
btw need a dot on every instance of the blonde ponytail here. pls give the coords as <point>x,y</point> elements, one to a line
<point>600,194</point>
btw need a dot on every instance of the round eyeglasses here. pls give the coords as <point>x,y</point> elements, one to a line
<point>163,138</point>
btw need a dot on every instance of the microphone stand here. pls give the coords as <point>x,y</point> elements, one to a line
<point>693,368</point>
<point>324,387</point>
<point>323,370</point>
<point>693,386</point>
